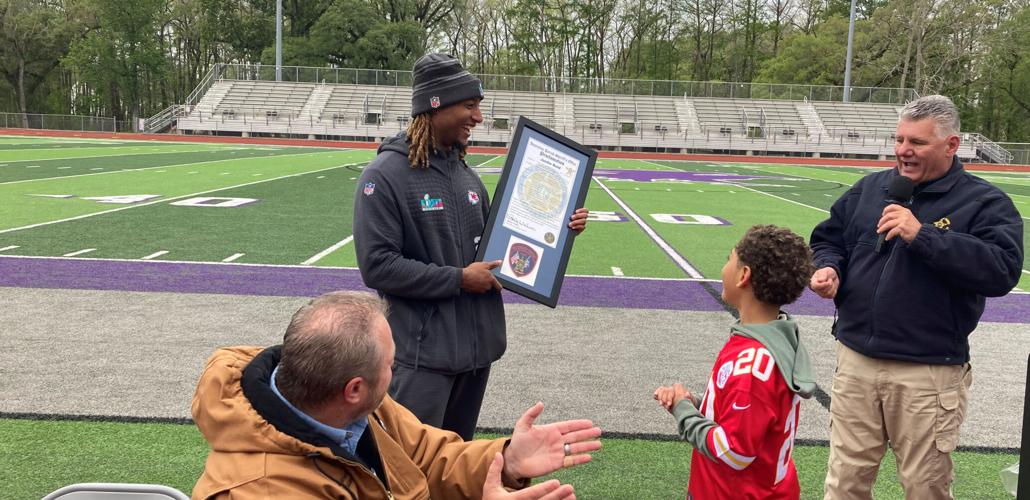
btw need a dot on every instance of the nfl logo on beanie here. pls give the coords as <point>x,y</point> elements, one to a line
<point>438,81</point>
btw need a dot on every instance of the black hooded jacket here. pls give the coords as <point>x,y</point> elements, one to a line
<point>415,229</point>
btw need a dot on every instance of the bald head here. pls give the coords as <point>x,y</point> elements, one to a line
<point>330,341</point>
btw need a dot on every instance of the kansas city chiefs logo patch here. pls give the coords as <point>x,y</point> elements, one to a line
<point>473,197</point>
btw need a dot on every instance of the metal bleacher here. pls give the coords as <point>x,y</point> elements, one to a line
<point>502,108</point>
<point>857,120</point>
<point>625,115</point>
<point>748,117</point>
<point>256,98</point>
<point>360,107</point>
<point>367,105</point>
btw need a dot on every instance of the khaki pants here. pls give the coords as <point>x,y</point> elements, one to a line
<point>917,408</point>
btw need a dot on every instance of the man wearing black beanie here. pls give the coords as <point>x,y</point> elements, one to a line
<point>418,214</point>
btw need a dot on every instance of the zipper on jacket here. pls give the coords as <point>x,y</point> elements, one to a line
<point>456,167</point>
<point>422,333</point>
<point>389,494</point>
<point>876,298</point>
<point>883,270</point>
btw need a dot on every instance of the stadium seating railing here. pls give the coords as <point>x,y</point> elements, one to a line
<point>573,85</point>
<point>162,120</point>
<point>988,149</point>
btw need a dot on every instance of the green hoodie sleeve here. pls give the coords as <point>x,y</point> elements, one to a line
<point>693,427</point>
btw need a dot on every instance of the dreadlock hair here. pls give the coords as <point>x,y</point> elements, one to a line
<point>420,139</point>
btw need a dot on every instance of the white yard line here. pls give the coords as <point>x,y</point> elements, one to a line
<point>150,168</point>
<point>742,186</point>
<point>233,257</point>
<point>699,280</point>
<point>487,161</point>
<point>663,167</point>
<point>113,155</point>
<point>79,252</point>
<point>30,226</point>
<point>298,266</point>
<point>11,247</point>
<point>155,255</point>
<point>318,256</point>
<point>676,257</point>
<point>764,171</point>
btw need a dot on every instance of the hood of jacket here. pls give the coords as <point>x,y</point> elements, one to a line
<point>782,339</point>
<point>228,420</point>
<point>396,144</point>
<point>399,144</point>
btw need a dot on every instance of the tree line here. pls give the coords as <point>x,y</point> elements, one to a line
<point>132,59</point>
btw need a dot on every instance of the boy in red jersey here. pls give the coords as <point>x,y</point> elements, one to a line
<point>743,427</point>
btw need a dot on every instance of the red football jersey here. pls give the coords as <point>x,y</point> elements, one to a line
<point>756,416</point>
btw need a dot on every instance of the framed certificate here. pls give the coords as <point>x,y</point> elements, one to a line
<point>545,178</point>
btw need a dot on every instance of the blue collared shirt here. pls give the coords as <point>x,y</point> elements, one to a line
<point>346,437</point>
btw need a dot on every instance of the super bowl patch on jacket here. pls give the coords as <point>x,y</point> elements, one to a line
<point>430,204</point>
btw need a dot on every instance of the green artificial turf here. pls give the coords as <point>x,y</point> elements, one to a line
<point>298,218</point>
<point>39,456</point>
<point>292,220</point>
<point>21,204</point>
<point>139,158</point>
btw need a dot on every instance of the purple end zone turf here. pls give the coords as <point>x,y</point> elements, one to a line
<point>179,277</point>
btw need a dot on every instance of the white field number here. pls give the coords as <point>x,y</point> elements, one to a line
<point>692,219</point>
<point>213,201</point>
<point>122,199</point>
<point>602,216</point>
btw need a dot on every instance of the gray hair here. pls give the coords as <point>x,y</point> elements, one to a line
<point>938,108</point>
<point>329,342</point>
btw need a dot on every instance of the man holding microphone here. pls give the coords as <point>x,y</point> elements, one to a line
<point>906,306</point>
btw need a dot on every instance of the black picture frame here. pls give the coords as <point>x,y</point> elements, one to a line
<point>531,265</point>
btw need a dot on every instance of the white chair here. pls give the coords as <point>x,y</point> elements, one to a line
<point>116,491</point>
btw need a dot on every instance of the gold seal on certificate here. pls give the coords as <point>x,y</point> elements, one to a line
<point>545,178</point>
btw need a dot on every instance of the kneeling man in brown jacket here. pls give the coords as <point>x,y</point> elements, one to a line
<point>311,419</point>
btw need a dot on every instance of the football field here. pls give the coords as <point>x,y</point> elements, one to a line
<point>125,263</point>
<point>145,200</point>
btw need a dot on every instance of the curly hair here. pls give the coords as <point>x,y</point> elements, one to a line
<point>780,261</point>
<point>422,142</point>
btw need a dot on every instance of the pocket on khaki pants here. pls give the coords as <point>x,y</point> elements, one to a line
<point>949,418</point>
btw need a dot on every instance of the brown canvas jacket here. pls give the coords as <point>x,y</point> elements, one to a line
<point>251,458</point>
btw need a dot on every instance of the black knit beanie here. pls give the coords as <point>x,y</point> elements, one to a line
<point>438,81</point>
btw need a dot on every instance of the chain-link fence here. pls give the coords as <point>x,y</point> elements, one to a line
<point>1020,152</point>
<point>64,122</point>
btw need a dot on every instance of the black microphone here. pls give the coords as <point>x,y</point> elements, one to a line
<point>899,192</point>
